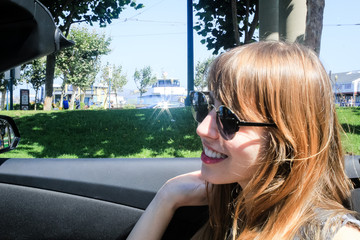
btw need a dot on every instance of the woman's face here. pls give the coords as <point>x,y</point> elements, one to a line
<point>229,161</point>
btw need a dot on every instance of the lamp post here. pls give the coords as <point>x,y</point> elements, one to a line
<point>190,51</point>
<point>110,76</point>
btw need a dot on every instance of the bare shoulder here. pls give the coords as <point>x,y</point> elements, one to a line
<point>347,232</point>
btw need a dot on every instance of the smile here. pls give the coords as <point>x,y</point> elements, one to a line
<point>213,154</point>
<point>210,156</point>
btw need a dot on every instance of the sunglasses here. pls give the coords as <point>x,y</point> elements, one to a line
<point>226,120</point>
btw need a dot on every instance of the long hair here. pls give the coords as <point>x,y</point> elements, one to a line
<point>301,176</point>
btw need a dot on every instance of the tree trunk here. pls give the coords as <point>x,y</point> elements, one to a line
<point>61,100</point>
<point>246,23</point>
<point>235,22</point>
<point>314,24</point>
<point>105,101</point>
<point>50,70</point>
<point>73,97</point>
<point>253,24</point>
<point>3,95</point>
<point>36,93</point>
<point>82,98</point>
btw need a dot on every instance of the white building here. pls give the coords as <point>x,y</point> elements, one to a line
<point>346,86</point>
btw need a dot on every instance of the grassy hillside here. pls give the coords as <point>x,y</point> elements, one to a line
<point>127,133</point>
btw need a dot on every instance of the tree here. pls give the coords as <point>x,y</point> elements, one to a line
<point>35,73</point>
<point>201,71</point>
<point>81,63</point>
<point>65,13</point>
<point>117,79</point>
<point>143,79</point>
<point>314,24</point>
<point>3,86</point>
<point>226,23</point>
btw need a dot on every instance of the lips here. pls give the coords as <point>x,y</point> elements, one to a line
<point>209,156</point>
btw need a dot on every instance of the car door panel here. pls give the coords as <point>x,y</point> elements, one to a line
<point>87,198</point>
<point>94,198</point>
<point>32,213</point>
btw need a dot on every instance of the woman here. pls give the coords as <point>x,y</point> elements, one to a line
<point>272,165</point>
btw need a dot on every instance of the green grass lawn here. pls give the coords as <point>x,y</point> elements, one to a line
<point>106,134</point>
<point>129,133</point>
<point>349,119</point>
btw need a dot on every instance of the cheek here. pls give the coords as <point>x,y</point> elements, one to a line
<point>245,159</point>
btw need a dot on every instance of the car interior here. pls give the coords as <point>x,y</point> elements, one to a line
<point>82,198</point>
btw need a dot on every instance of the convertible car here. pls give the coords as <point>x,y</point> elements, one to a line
<point>81,198</point>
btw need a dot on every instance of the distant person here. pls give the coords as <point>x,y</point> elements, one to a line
<point>351,102</point>
<point>77,103</point>
<point>272,160</point>
<point>65,104</point>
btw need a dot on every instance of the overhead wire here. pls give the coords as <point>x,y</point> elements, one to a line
<point>341,24</point>
<point>150,34</point>
<point>132,18</point>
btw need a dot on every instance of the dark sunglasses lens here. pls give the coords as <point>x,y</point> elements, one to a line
<point>227,123</point>
<point>199,106</point>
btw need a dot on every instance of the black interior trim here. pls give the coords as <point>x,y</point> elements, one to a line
<point>28,32</point>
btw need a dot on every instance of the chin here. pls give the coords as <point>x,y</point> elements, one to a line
<point>213,176</point>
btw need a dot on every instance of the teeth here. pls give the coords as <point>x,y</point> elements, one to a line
<point>213,154</point>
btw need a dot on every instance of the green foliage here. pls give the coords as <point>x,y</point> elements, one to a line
<point>82,106</point>
<point>3,82</point>
<point>118,79</point>
<point>81,63</point>
<point>66,13</point>
<point>129,106</point>
<point>144,78</point>
<point>35,74</point>
<point>201,71</point>
<point>216,25</point>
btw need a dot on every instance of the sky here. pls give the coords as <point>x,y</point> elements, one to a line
<point>153,36</point>
<point>156,36</point>
<point>340,45</point>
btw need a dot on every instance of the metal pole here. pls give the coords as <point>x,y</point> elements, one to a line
<point>190,51</point>
<point>282,20</point>
<point>292,20</point>
<point>109,91</point>
<point>269,20</point>
<point>110,76</point>
<point>7,97</point>
<point>12,78</point>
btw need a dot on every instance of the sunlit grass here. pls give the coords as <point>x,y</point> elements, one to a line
<point>349,119</point>
<point>131,133</point>
<point>128,133</point>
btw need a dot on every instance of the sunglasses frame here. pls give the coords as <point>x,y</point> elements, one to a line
<point>219,122</point>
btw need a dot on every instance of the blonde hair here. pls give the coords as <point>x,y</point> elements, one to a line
<point>301,164</point>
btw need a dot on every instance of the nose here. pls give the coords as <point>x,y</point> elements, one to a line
<point>208,128</point>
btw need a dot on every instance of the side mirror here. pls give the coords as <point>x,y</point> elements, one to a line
<point>9,134</point>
